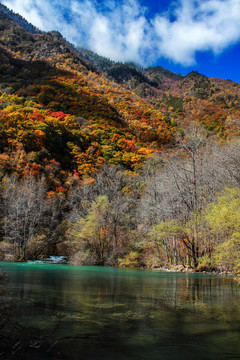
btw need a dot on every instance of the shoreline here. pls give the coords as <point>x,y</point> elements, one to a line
<point>168,268</point>
<point>183,269</point>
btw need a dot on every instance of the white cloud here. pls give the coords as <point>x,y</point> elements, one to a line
<point>198,26</point>
<point>123,31</point>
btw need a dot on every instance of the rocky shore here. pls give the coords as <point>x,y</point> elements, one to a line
<point>182,268</point>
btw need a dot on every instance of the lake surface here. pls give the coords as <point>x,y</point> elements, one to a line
<point>117,314</point>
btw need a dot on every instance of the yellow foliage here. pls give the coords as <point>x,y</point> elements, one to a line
<point>130,260</point>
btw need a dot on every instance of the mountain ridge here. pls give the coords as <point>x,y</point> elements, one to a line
<point>19,19</point>
<point>128,111</point>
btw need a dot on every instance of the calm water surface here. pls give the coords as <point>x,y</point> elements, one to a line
<point>127,314</point>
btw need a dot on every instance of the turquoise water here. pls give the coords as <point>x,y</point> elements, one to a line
<point>108,313</point>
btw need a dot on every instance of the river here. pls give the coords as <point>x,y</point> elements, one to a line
<point>107,313</point>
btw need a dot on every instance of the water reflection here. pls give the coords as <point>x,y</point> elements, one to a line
<point>111,313</point>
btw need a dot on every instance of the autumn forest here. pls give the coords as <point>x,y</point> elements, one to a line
<point>110,164</point>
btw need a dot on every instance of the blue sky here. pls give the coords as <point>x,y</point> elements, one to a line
<point>181,35</point>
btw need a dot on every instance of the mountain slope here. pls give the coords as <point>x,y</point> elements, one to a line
<point>211,102</point>
<point>82,110</point>
<point>56,105</point>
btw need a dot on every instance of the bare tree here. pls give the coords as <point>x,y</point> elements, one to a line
<point>229,160</point>
<point>182,186</point>
<point>23,204</point>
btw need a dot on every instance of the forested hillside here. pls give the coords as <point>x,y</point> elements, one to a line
<point>111,164</point>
